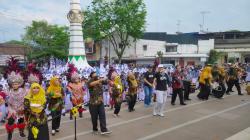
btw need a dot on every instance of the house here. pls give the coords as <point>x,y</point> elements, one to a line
<point>9,50</point>
<point>182,49</point>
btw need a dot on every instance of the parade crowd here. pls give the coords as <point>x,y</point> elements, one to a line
<point>28,97</point>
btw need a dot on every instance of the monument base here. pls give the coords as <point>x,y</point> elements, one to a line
<point>80,62</point>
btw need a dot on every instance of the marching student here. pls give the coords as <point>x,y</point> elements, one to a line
<point>35,105</point>
<point>15,99</point>
<point>75,89</point>
<point>116,91</point>
<point>233,79</point>
<point>132,91</point>
<point>148,86</point>
<point>55,95</point>
<point>205,82</point>
<point>161,81</point>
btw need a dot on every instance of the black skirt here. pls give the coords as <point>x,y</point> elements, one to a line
<point>43,133</point>
<point>204,92</point>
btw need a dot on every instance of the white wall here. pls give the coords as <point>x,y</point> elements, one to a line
<point>187,48</point>
<point>129,51</point>
<point>152,47</point>
<point>4,58</point>
<point>205,45</point>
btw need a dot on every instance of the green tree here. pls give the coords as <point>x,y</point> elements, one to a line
<point>232,60</point>
<point>160,55</point>
<point>213,56</point>
<point>15,42</point>
<point>233,31</point>
<point>119,21</point>
<point>46,41</point>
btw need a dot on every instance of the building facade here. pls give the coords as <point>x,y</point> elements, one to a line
<point>234,46</point>
<point>11,50</point>
<point>180,49</point>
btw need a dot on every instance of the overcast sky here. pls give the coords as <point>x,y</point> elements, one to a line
<point>163,15</point>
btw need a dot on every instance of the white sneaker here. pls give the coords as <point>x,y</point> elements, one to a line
<point>162,115</point>
<point>106,132</point>
<point>95,132</point>
<point>154,114</point>
<point>53,132</point>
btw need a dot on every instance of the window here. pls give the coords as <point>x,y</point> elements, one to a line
<point>145,47</point>
<point>171,48</point>
<point>229,36</point>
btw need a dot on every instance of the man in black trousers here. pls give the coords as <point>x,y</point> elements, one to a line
<point>177,85</point>
<point>96,106</point>
<point>233,79</point>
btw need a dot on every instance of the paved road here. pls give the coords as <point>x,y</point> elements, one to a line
<point>199,120</point>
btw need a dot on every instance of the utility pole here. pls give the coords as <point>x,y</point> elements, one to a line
<point>178,26</point>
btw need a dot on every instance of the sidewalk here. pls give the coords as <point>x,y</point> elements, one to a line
<point>242,135</point>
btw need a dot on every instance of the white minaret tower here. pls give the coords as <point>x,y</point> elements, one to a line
<point>77,54</point>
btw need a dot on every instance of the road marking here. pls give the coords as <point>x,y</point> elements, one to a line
<point>140,118</point>
<point>192,122</point>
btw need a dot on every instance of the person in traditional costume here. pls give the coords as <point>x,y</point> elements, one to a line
<point>218,74</point>
<point>233,79</point>
<point>55,95</point>
<point>248,89</point>
<point>132,91</point>
<point>35,105</point>
<point>116,90</point>
<point>106,95</point>
<point>140,92</point>
<point>76,89</point>
<point>205,83</point>
<point>15,99</point>
<point>96,106</point>
<point>33,75</point>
